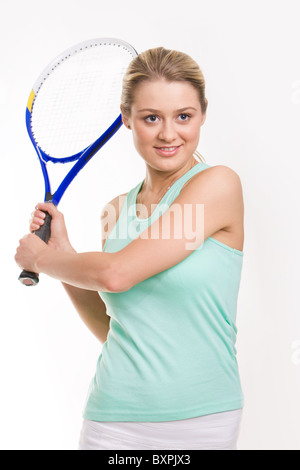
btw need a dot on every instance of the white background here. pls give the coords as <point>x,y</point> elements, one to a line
<point>249,53</point>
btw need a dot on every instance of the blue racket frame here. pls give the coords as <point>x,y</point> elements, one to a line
<point>83,157</point>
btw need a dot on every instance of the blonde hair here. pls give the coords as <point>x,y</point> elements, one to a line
<point>163,63</point>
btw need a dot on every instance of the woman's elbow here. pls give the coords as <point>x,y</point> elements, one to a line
<point>117,279</point>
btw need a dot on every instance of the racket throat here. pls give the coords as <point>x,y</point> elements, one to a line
<point>48,197</point>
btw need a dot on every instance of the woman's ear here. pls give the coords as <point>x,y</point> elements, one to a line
<point>125,119</point>
<point>126,122</point>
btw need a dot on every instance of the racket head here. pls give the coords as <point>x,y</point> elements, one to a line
<point>73,110</point>
<point>74,104</point>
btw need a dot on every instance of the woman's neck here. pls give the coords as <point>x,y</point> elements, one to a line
<point>156,181</point>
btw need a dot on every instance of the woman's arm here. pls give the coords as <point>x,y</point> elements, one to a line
<point>91,309</point>
<point>208,203</point>
<point>88,304</point>
<point>211,201</point>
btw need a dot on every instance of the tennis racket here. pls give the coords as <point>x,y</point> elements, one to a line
<point>73,110</point>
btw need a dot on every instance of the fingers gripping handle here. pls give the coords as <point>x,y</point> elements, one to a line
<point>26,277</point>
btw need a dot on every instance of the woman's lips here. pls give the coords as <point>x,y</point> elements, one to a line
<point>168,151</point>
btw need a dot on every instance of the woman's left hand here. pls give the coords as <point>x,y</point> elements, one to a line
<point>29,250</point>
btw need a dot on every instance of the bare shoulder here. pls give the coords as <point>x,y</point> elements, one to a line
<point>219,188</point>
<point>220,174</point>
<point>230,185</point>
<point>227,174</point>
<point>231,188</point>
<point>219,180</point>
<point>110,215</point>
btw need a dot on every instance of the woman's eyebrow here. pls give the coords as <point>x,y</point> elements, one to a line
<point>151,110</point>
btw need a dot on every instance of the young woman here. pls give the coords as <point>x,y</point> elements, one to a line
<point>162,294</point>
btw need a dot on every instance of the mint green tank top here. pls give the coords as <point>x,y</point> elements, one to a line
<point>170,353</point>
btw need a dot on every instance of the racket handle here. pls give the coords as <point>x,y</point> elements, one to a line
<point>26,277</point>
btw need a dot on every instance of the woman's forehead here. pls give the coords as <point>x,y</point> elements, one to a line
<point>153,94</point>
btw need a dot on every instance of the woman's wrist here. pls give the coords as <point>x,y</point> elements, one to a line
<point>46,258</point>
<point>85,270</point>
<point>49,254</point>
<point>93,270</point>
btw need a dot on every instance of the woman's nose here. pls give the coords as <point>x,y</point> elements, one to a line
<point>167,132</point>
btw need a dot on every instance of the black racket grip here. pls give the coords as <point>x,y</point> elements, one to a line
<point>26,277</point>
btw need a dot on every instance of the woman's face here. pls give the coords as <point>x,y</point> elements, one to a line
<point>165,119</point>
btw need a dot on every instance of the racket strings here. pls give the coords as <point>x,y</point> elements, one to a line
<point>79,100</point>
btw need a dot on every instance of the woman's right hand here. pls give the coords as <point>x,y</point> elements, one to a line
<point>59,238</point>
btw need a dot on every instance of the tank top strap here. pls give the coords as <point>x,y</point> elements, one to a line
<point>128,211</point>
<point>132,194</point>
<point>176,188</point>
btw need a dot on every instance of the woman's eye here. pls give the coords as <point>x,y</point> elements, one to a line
<point>184,117</point>
<point>151,118</point>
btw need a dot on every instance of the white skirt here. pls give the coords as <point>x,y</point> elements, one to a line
<point>218,431</point>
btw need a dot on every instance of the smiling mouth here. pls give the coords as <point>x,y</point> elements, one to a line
<point>168,149</point>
